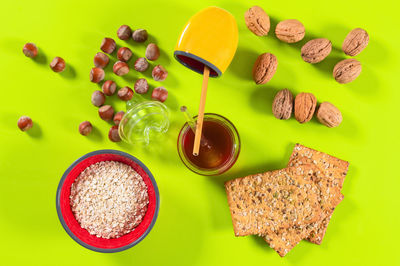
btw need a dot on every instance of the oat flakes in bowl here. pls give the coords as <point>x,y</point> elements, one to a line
<point>107,201</point>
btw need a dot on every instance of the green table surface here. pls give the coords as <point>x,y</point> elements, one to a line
<point>194,225</point>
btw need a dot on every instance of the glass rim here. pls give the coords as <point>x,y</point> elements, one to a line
<point>125,119</point>
<point>228,164</point>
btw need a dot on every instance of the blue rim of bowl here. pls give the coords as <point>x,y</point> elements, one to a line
<point>61,218</point>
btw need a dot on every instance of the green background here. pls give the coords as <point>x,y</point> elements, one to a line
<point>194,226</point>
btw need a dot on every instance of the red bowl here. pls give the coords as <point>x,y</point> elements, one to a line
<point>80,235</point>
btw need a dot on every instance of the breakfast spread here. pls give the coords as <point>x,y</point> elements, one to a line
<point>288,205</point>
<point>109,199</point>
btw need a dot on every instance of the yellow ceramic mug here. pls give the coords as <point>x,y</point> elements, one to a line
<point>209,38</point>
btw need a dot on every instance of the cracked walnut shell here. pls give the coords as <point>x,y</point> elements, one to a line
<point>304,107</point>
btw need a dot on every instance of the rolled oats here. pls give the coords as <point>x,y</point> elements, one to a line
<point>109,199</point>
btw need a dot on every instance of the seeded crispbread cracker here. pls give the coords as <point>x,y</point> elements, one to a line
<point>285,239</point>
<point>264,203</point>
<point>335,168</point>
<point>330,179</point>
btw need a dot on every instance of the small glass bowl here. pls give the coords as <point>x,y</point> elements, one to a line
<point>227,164</point>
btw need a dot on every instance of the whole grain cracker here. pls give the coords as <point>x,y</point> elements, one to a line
<point>330,179</point>
<point>283,240</point>
<point>264,203</point>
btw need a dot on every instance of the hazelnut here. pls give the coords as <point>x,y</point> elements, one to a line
<point>141,64</point>
<point>139,35</point>
<point>109,87</point>
<point>30,50</point>
<point>124,32</point>
<point>101,60</point>
<point>108,45</point>
<point>98,98</point>
<point>141,86</point>
<point>152,52</point>
<point>159,94</point>
<point>124,54</point>
<point>118,117</point>
<point>159,73</point>
<point>113,134</point>
<point>96,74</point>
<point>25,123</point>
<point>57,64</point>
<point>125,93</point>
<point>85,128</point>
<point>121,68</point>
<point>106,112</point>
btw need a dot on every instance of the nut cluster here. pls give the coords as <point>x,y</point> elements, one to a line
<point>313,51</point>
<point>109,87</point>
<point>304,107</point>
<point>120,68</point>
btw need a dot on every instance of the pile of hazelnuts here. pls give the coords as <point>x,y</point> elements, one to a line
<point>109,87</point>
<point>121,68</point>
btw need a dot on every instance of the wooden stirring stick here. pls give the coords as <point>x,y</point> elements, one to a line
<point>200,116</point>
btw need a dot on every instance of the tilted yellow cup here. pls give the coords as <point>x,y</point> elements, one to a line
<point>209,38</point>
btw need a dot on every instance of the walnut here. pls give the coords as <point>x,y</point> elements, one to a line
<point>355,42</point>
<point>264,68</point>
<point>329,115</point>
<point>316,50</point>
<point>290,31</point>
<point>304,107</point>
<point>347,70</point>
<point>283,104</point>
<point>257,21</point>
